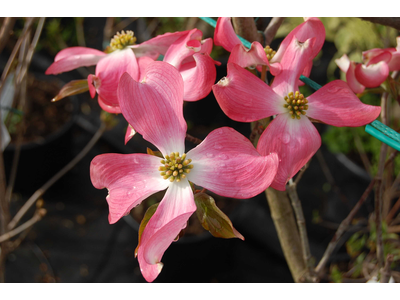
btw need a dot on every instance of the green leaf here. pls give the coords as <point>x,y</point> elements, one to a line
<point>213,219</point>
<point>358,264</point>
<point>149,213</point>
<point>355,244</point>
<point>73,87</point>
<point>336,274</point>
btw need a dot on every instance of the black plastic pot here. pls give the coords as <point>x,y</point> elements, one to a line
<point>43,157</point>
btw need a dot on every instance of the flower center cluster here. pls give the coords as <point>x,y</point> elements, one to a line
<point>123,39</point>
<point>269,52</point>
<point>175,167</point>
<point>297,104</point>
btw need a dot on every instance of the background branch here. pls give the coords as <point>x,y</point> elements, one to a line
<point>389,21</point>
<point>246,28</point>
<point>56,177</point>
<point>272,28</point>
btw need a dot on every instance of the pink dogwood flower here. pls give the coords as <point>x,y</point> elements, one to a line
<point>225,163</point>
<point>133,59</point>
<point>245,98</point>
<point>376,66</point>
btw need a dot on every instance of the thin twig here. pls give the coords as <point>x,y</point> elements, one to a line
<point>43,259</point>
<point>31,49</point>
<point>256,130</point>
<point>393,229</point>
<point>361,150</point>
<point>108,29</point>
<point>301,172</point>
<point>301,223</point>
<point>388,195</point>
<point>12,245</point>
<point>5,29</point>
<point>346,222</point>
<point>193,139</point>
<point>36,217</point>
<point>272,28</point>
<point>378,187</point>
<point>393,211</point>
<point>11,59</point>
<point>56,177</point>
<point>26,55</point>
<point>342,228</point>
<point>20,86</point>
<point>124,23</point>
<point>385,272</point>
<point>329,176</point>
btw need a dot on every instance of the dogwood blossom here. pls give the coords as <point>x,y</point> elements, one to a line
<point>244,97</point>
<point>376,66</point>
<point>185,50</point>
<point>225,163</point>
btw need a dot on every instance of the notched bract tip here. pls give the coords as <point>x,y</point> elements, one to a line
<point>224,81</point>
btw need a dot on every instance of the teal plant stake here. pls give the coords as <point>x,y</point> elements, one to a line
<point>310,83</point>
<point>384,134</point>
<point>378,130</point>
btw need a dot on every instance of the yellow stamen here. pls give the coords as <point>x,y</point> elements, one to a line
<point>269,52</point>
<point>123,39</point>
<point>175,166</point>
<point>295,103</point>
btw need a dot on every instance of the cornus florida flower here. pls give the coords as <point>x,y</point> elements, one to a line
<point>226,37</point>
<point>244,97</point>
<point>225,163</point>
<point>125,56</point>
<point>377,63</point>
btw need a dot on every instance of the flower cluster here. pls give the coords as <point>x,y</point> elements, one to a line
<point>150,95</point>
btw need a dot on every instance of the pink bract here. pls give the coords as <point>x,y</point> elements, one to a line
<point>72,58</point>
<point>224,34</point>
<point>108,73</point>
<point>191,56</point>
<point>225,163</point>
